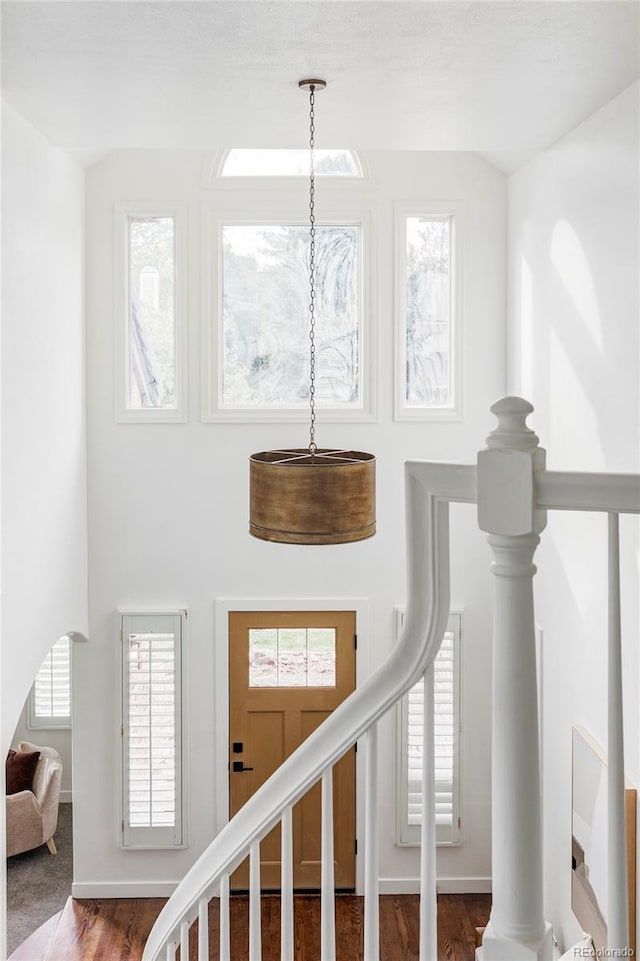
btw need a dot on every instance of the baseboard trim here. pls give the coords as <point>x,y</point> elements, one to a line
<point>123,889</point>
<point>164,889</point>
<point>444,885</point>
<point>66,797</point>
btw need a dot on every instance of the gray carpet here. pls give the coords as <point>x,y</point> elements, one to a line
<point>38,884</point>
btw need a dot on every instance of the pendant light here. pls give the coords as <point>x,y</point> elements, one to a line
<point>312,495</point>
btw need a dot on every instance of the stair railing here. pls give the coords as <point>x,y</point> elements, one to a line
<point>429,490</point>
<point>513,491</point>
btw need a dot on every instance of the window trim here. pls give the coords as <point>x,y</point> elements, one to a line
<point>408,835</point>
<point>160,415</point>
<point>150,838</point>
<point>217,218</point>
<point>48,723</point>
<point>435,209</point>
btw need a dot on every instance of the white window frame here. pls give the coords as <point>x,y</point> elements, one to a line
<point>37,722</point>
<point>239,214</point>
<point>140,622</point>
<point>160,415</point>
<point>440,210</point>
<point>408,835</point>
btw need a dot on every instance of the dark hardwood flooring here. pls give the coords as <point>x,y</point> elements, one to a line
<point>116,930</point>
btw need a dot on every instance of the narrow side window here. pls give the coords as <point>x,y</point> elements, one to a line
<point>50,696</point>
<point>152,729</point>
<point>427,313</point>
<point>446,746</point>
<point>150,379</point>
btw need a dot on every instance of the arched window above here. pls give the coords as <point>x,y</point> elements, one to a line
<point>241,162</point>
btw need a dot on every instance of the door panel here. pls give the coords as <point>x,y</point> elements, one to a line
<point>287,672</point>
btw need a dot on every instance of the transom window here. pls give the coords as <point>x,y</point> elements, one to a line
<point>292,657</point>
<point>289,163</point>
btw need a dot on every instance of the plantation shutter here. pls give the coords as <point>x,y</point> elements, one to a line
<point>152,730</point>
<point>446,746</point>
<point>50,699</point>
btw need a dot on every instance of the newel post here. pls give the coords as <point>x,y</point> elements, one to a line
<point>506,468</point>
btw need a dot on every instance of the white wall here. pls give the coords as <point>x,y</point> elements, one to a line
<point>573,334</point>
<point>43,452</point>
<point>168,512</point>
<point>44,549</point>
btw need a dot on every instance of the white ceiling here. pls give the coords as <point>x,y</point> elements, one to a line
<point>506,78</point>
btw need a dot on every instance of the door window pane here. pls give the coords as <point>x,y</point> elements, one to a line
<point>292,657</point>
<point>322,657</point>
<point>263,658</point>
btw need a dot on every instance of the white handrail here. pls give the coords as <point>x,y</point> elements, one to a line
<point>560,490</point>
<point>429,490</point>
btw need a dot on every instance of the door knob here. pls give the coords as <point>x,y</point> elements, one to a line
<point>239,766</point>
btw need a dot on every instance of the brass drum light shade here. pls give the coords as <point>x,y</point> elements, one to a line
<point>313,495</point>
<point>325,498</point>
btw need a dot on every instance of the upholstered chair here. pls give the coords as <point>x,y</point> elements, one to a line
<point>32,816</point>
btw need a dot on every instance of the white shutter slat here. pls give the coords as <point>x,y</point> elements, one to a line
<point>50,698</point>
<point>152,722</point>
<point>446,737</point>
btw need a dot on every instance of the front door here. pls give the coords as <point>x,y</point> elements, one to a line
<point>287,671</point>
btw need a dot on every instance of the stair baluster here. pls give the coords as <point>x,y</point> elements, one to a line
<point>371,893</point>
<point>203,929</point>
<point>618,906</point>
<point>286,895</point>
<point>184,941</point>
<point>327,884</point>
<point>225,928</point>
<point>428,902</point>
<point>255,919</point>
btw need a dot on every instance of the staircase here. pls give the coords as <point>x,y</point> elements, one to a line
<point>513,491</point>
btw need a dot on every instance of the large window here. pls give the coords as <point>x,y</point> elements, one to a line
<point>50,696</point>
<point>265,316</point>
<point>150,344</point>
<point>428,312</point>
<point>446,746</point>
<point>152,658</point>
<point>258,343</point>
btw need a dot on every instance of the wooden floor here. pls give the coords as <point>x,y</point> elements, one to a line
<point>116,930</point>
